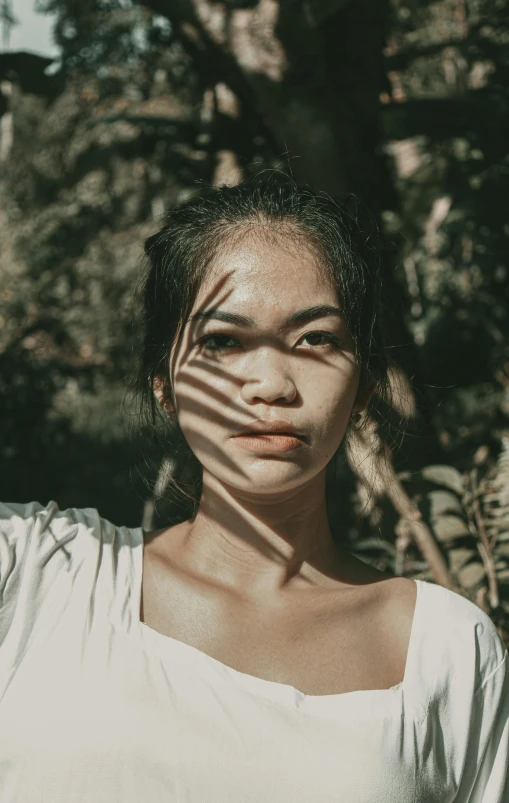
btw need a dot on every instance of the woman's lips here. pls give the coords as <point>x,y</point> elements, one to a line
<point>268,442</point>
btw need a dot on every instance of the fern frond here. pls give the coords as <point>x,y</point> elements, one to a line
<point>495,496</point>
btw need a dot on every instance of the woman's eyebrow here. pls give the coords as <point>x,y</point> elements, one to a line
<point>226,317</point>
<point>305,315</point>
<point>296,318</point>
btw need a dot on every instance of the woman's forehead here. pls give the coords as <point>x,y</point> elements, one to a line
<point>259,273</point>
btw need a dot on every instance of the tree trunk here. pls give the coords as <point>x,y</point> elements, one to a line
<point>312,71</point>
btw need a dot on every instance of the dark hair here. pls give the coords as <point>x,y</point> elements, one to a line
<point>271,203</point>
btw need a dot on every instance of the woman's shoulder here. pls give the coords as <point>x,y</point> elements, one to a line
<point>17,519</point>
<point>30,525</point>
<point>33,536</point>
<point>43,550</point>
<point>463,633</point>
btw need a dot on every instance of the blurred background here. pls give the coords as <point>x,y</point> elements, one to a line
<point>113,111</point>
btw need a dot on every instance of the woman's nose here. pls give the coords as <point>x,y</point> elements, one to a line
<point>268,381</point>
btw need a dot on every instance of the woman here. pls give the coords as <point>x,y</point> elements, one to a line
<point>243,655</point>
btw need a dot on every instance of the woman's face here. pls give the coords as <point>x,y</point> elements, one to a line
<point>265,376</point>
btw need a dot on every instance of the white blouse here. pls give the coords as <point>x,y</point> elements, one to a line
<point>96,707</point>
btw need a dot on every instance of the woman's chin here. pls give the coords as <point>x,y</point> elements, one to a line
<point>265,477</point>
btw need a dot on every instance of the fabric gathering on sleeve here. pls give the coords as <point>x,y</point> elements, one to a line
<point>97,707</point>
<point>486,774</point>
<point>29,534</point>
<point>490,721</point>
<point>468,710</point>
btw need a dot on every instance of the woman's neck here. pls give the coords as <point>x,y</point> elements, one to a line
<point>261,544</point>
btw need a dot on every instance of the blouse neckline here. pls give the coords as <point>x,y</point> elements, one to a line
<point>280,692</point>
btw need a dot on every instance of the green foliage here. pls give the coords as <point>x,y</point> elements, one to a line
<point>447,140</point>
<point>109,158</point>
<point>108,36</point>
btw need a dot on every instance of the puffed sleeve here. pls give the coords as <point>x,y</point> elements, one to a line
<point>16,524</point>
<point>489,743</point>
<point>29,535</point>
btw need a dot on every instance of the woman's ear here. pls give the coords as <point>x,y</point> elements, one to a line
<point>363,397</point>
<point>160,390</point>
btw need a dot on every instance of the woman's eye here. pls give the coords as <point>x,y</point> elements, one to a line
<point>322,339</point>
<point>218,343</point>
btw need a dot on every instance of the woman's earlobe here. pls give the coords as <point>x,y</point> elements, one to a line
<point>158,388</point>
<point>160,391</point>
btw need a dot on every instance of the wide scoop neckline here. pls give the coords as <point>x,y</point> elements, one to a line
<point>281,692</point>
